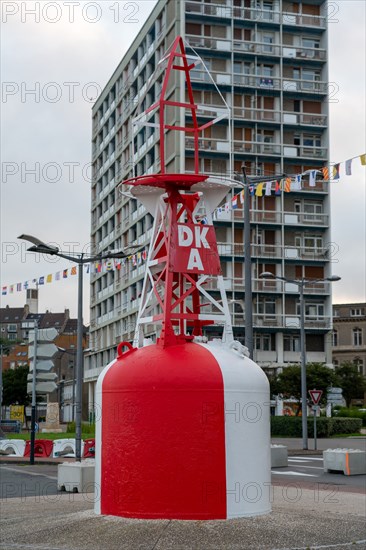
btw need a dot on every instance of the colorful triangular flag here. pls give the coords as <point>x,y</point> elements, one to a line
<point>49,278</point>
<point>363,159</point>
<point>268,188</point>
<point>73,270</point>
<point>41,281</point>
<point>64,273</point>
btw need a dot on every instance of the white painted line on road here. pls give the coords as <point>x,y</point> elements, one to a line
<point>22,471</point>
<point>312,467</point>
<point>293,474</point>
<point>304,458</point>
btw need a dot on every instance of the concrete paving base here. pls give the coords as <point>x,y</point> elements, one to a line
<point>302,518</point>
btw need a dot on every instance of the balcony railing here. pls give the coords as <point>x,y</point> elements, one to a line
<point>288,84</point>
<point>305,119</point>
<point>257,115</point>
<point>255,14</point>
<point>298,52</point>
<point>274,251</point>
<point>258,148</point>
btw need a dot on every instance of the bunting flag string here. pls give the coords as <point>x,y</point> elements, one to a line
<point>94,267</point>
<point>293,183</point>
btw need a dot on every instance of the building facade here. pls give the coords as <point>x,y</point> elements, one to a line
<point>349,334</point>
<point>268,59</point>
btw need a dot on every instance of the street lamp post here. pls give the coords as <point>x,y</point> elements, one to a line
<point>301,283</point>
<point>80,259</point>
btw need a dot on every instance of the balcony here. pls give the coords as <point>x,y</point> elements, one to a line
<point>274,251</point>
<point>256,81</point>
<point>257,48</point>
<point>300,151</point>
<point>298,52</point>
<point>294,19</point>
<point>317,87</point>
<point>306,219</point>
<point>257,115</point>
<point>304,119</point>
<point>257,148</point>
<point>290,321</point>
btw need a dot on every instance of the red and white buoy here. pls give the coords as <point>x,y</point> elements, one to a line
<point>183,424</point>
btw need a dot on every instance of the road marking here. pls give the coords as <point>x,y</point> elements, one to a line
<point>304,458</point>
<point>311,467</point>
<point>293,474</point>
<point>22,471</point>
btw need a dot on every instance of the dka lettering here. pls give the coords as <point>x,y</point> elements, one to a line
<point>196,240</point>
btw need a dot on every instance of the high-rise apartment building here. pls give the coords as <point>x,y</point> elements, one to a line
<point>269,60</point>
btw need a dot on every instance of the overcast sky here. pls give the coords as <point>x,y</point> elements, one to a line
<point>66,63</point>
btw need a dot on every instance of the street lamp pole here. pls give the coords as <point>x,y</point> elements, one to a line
<point>304,410</point>
<point>301,283</point>
<point>80,260</point>
<point>248,298</point>
<point>79,363</point>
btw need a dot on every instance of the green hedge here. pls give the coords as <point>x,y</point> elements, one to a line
<point>351,413</point>
<point>291,426</point>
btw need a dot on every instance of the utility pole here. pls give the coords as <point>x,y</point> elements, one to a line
<point>34,381</point>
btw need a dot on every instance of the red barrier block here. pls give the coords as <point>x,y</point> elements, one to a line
<point>42,447</point>
<point>89,448</point>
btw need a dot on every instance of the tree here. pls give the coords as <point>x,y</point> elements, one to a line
<point>15,386</point>
<point>351,381</point>
<point>288,382</point>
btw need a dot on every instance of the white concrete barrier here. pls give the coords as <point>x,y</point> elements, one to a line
<point>65,448</point>
<point>12,447</point>
<point>76,477</point>
<point>279,456</point>
<point>349,461</point>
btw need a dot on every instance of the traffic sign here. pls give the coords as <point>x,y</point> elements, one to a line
<point>316,396</point>
<point>42,387</point>
<point>46,349</point>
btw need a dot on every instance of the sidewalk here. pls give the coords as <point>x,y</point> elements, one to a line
<point>301,518</point>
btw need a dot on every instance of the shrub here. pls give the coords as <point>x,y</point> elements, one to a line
<point>86,428</point>
<point>352,413</point>
<point>291,426</point>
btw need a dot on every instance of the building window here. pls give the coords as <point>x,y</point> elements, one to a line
<point>358,362</point>
<point>263,342</point>
<point>335,338</point>
<point>311,243</point>
<point>357,337</point>
<point>291,342</point>
<point>267,307</point>
<point>355,312</point>
<point>336,313</point>
<point>12,328</point>
<point>313,310</point>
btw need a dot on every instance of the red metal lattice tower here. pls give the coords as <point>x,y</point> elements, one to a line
<point>183,254</point>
